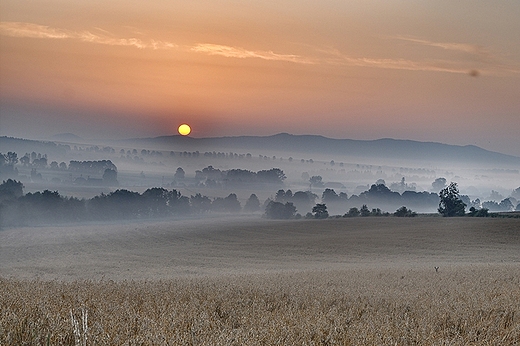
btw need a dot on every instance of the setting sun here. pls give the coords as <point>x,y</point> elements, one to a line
<point>184,129</point>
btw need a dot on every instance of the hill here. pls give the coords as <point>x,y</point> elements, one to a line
<point>386,148</point>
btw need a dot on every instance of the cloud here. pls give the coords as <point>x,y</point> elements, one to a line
<point>30,30</point>
<point>17,29</point>
<point>491,63</point>
<point>461,47</point>
<point>241,53</point>
<point>338,58</point>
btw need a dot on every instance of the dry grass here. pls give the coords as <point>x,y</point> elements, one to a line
<point>459,305</point>
<point>365,281</point>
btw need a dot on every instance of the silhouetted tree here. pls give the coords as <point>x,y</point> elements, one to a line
<point>25,160</point>
<point>376,212</point>
<point>155,201</point>
<point>506,205</point>
<point>450,204</point>
<point>230,204</point>
<point>272,176</point>
<point>110,177</point>
<point>329,196</point>
<point>320,211</point>
<point>277,210</point>
<point>11,158</point>
<point>353,212</point>
<point>303,200</point>
<point>11,189</point>
<point>364,211</point>
<point>179,174</point>
<point>404,212</point>
<point>491,205</point>
<point>280,196</point>
<point>484,212</point>
<point>200,204</point>
<point>316,181</point>
<point>252,204</point>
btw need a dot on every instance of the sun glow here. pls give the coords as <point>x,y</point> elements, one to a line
<point>184,129</point>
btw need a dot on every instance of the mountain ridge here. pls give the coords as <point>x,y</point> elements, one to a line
<point>317,144</point>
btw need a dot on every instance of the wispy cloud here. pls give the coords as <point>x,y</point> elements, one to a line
<point>461,47</point>
<point>492,63</point>
<point>333,56</point>
<point>488,63</point>
<point>30,30</point>
<point>241,53</point>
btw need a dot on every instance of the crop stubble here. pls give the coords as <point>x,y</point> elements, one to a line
<point>363,281</point>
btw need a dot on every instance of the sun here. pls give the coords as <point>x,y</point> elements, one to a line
<point>184,129</point>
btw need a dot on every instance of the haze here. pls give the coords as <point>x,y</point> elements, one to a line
<point>430,71</point>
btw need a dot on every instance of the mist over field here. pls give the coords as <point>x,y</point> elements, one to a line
<point>225,172</point>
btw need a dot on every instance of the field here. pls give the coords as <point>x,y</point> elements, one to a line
<point>248,281</point>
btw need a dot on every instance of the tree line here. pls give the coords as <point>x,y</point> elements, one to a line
<point>18,209</point>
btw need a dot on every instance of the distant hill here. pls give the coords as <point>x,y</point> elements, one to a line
<point>22,146</point>
<point>312,144</point>
<point>66,137</point>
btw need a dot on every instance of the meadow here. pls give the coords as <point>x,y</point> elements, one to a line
<point>363,281</point>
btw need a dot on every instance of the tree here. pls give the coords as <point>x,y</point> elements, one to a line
<point>484,212</point>
<point>320,211</point>
<point>12,158</point>
<point>11,189</point>
<point>280,196</point>
<point>439,184</point>
<point>353,212</point>
<point>230,204</point>
<point>450,203</point>
<point>110,177</point>
<point>179,174</point>
<point>329,196</point>
<point>25,160</point>
<point>200,203</point>
<point>156,201</point>
<point>506,205</point>
<point>252,204</point>
<point>272,176</point>
<point>404,212</point>
<point>316,181</point>
<point>277,210</point>
<point>303,200</point>
<point>364,210</point>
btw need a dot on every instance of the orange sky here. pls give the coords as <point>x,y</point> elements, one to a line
<point>342,69</point>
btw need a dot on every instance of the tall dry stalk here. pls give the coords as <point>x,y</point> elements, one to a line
<point>473,305</point>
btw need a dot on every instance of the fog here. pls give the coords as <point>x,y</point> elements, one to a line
<point>227,175</point>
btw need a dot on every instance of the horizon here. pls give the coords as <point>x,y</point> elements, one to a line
<point>93,140</point>
<point>363,70</point>
<point>53,138</point>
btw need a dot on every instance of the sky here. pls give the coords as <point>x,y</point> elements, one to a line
<point>440,71</point>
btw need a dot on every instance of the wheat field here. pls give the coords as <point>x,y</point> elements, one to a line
<point>246,282</point>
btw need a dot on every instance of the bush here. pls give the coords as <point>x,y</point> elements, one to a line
<point>405,212</point>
